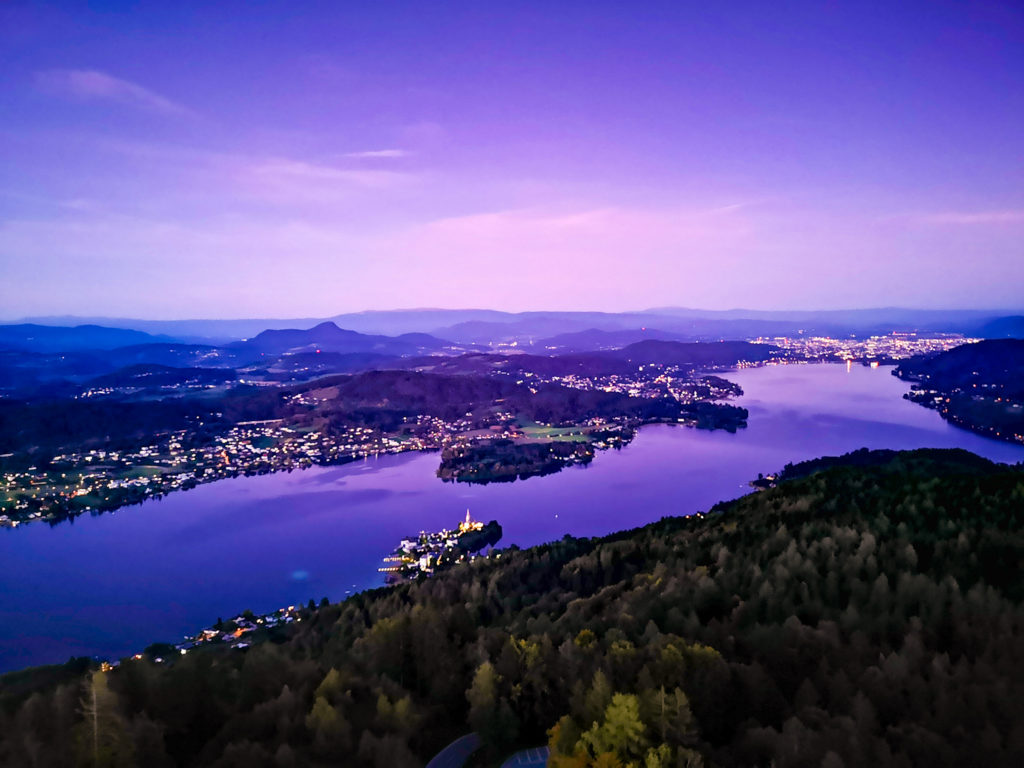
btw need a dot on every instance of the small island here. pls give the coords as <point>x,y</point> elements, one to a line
<point>503,460</point>
<point>429,552</point>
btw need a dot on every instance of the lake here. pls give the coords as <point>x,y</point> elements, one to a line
<point>111,585</point>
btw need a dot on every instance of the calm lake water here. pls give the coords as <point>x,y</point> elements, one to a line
<point>111,585</point>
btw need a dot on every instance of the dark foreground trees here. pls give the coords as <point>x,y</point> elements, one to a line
<point>858,616</point>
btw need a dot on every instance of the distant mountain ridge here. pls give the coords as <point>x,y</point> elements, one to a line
<point>66,359</point>
<point>44,338</point>
<point>484,325</point>
<point>328,337</point>
<point>602,342</point>
<point>1004,327</point>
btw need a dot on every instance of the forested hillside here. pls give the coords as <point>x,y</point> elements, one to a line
<point>976,386</point>
<point>993,364</point>
<point>858,616</point>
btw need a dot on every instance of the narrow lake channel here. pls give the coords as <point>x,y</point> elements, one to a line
<point>112,584</point>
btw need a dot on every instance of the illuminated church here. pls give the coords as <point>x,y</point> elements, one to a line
<point>469,524</point>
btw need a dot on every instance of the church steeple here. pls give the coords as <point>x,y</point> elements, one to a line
<point>469,524</point>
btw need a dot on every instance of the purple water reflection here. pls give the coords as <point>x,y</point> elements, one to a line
<point>113,584</point>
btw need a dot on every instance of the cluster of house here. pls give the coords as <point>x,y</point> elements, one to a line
<point>890,346</point>
<point>232,632</point>
<point>422,553</point>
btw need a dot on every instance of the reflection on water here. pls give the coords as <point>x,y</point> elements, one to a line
<point>113,584</point>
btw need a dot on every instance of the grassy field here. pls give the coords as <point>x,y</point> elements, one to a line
<point>537,432</point>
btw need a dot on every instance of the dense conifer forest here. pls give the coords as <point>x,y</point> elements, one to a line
<point>866,614</point>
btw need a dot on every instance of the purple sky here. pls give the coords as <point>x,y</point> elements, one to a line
<point>225,159</point>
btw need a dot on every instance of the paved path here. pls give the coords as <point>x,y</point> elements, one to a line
<point>456,753</point>
<point>538,756</point>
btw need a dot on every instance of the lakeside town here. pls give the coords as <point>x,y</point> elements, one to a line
<point>100,480</point>
<point>881,349</point>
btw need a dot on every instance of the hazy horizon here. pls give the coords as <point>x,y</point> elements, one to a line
<point>653,311</point>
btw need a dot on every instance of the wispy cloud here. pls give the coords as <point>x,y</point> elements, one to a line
<point>372,153</point>
<point>598,222</point>
<point>288,180</point>
<point>92,85</point>
<point>1005,216</point>
<point>281,170</point>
